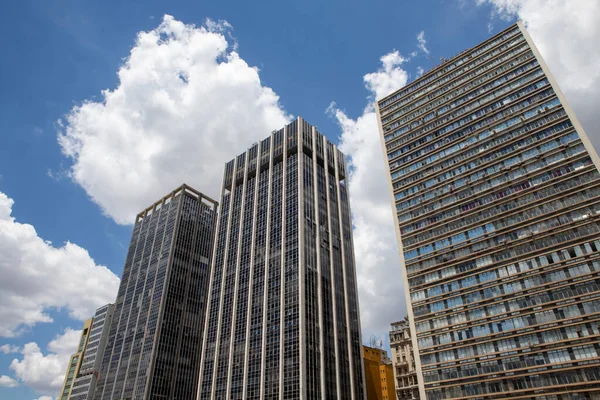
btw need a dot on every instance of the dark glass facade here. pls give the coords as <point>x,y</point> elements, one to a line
<point>497,198</point>
<point>153,348</point>
<point>282,318</point>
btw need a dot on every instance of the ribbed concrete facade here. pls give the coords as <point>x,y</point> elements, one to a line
<point>497,198</point>
<point>282,320</point>
<point>153,349</point>
<point>93,353</point>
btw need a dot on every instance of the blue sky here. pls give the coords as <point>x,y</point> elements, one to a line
<point>59,54</point>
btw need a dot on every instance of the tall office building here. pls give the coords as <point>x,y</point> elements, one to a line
<point>84,385</point>
<point>153,349</point>
<point>75,361</point>
<point>282,319</point>
<point>496,192</point>
<point>403,361</point>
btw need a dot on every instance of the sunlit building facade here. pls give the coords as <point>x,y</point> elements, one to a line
<point>403,361</point>
<point>85,384</point>
<point>75,361</point>
<point>153,348</point>
<point>282,318</point>
<point>497,199</point>
<point>379,374</point>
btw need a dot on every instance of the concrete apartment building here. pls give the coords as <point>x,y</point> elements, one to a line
<point>282,317</point>
<point>496,193</point>
<point>153,348</point>
<point>379,374</point>
<point>403,361</point>
<point>91,357</point>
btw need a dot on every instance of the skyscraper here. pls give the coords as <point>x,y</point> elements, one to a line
<point>85,384</point>
<point>496,193</point>
<point>283,319</point>
<point>75,361</point>
<point>153,349</point>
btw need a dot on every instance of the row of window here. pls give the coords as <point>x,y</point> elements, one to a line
<point>501,307</point>
<point>446,102</point>
<point>513,219</point>
<point>466,222</point>
<point>509,325</point>
<point>507,253</point>
<point>498,174</point>
<point>530,113</point>
<point>585,377</point>
<point>521,288</point>
<point>480,101</point>
<point>517,139</point>
<point>557,356</point>
<point>476,156</point>
<point>441,259</point>
<point>502,272</point>
<point>515,236</point>
<point>425,82</point>
<point>457,135</point>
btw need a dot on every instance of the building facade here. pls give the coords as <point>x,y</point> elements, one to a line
<point>403,361</point>
<point>75,361</point>
<point>283,319</point>
<point>85,383</point>
<point>153,349</point>
<point>496,192</point>
<point>379,374</point>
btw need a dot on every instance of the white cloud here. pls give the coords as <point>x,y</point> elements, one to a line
<point>185,103</point>
<point>9,349</point>
<point>420,71</point>
<point>567,34</point>
<point>422,43</point>
<point>7,381</point>
<point>45,398</point>
<point>377,261</point>
<point>45,373</point>
<point>38,277</point>
<point>389,78</point>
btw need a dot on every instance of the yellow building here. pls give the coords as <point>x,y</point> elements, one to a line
<point>75,361</point>
<point>379,374</point>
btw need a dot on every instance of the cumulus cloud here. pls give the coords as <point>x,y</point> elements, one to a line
<point>9,349</point>
<point>378,264</point>
<point>185,103</point>
<point>388,78</point>
<point>7,381</point>
<point>567,34</point>
<point>45,398</point>
<point>38,276</point>
<point>45,373</point>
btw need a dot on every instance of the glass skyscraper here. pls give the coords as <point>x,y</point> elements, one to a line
<point>153,349</point>
<point>283,319</point>
<point>497,200</point>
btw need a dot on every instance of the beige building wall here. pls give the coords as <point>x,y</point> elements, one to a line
<point>75,361</point>
<point>403,361</point>
<point>379,375</point>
